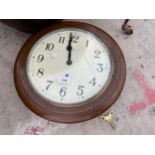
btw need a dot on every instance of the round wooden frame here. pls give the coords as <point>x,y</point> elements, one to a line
<point>71,114</point>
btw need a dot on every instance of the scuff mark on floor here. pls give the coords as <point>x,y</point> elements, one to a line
<point>34,130</point>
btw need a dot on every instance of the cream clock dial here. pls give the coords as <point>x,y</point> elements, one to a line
<point>56,80</point>
<point>69,72</point>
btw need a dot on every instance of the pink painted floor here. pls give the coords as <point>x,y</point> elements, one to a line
<point>134,110</point>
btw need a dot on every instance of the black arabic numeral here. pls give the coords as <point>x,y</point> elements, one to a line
<point>87,43</point>
<point>100,67</point>
<point>40,72</point>
<point>97,54</point>
<point>49,84</point>
<point>80,90</point>
<point>93,81</point>
<point>40,58</point>
<point>75,38</point>
<point>61,39</point>
<point>62,91</point>
<point>49,46</point>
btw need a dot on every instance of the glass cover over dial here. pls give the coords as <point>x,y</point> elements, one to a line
<point>69,66</point>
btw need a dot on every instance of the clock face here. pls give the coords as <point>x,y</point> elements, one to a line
<point>69,72</point>
<point>69,66</point>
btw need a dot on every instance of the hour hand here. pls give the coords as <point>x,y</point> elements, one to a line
<point>69,49</point>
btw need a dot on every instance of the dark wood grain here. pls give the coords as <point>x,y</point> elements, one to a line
<point>81,112</point>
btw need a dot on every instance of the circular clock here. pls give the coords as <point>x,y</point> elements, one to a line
<point>69,72</point>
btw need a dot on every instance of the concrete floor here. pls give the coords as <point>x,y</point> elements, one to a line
<point>134,110</point>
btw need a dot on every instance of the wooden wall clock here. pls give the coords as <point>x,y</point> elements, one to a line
<point>69,72</point>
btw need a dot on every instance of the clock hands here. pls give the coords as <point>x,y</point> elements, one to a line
<point>69,49</point>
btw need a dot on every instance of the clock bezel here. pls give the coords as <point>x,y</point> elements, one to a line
<point>70,114</point>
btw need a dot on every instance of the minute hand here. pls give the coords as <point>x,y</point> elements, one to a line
<point>69,49</point>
